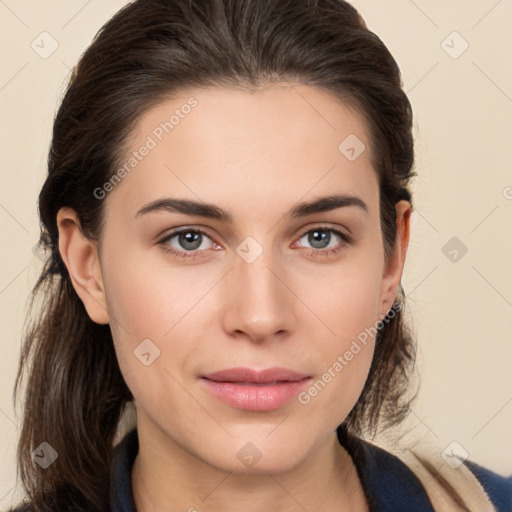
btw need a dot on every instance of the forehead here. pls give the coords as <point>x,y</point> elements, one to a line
<point>263,148</point>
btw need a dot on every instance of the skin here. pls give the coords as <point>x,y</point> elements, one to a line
<point>255,155</point>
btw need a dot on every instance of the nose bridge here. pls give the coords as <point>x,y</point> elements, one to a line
<point>258,281</point>
<point>260,303</point>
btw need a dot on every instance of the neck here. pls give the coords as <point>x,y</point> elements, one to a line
<point>173,479</point>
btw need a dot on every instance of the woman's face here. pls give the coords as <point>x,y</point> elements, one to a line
<point>269,285</point>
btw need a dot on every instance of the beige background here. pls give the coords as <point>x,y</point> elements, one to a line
<point>462,310</point>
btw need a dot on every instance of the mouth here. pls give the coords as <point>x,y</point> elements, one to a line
<point>252,390</point>
<point>273,383</point>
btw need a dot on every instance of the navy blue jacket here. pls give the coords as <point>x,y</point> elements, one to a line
<point>390,486</point>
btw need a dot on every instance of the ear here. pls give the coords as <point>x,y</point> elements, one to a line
<point>392,273</point>
<point>80,255</point>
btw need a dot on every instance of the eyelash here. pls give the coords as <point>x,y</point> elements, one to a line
<point>346,240</point>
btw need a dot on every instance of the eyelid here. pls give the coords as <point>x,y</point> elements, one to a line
<point>185,255</point>
<point>185,229</point>
<point>342,233</point>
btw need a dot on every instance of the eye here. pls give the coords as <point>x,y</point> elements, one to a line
<point>322,240</point>
<point>188,242</point>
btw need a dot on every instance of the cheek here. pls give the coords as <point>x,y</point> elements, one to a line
<point>162,306</point>
<point>346,299</point>
<point>344,360</point>
<point>150,301</point>
<point>156,317</point>
<point>347,303</point>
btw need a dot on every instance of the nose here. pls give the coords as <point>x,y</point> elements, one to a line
<point>259,304</point>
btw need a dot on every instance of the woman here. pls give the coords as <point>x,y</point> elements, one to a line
<point>227,209</point>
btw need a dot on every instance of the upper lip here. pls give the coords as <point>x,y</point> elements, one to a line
<point>258,377</point>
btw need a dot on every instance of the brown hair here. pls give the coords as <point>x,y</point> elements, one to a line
<point>76,394</point>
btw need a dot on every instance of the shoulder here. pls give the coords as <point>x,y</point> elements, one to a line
<point>465,484</point>
<point>497,487</point>
<point>388,482</point>
<point>396,478</point>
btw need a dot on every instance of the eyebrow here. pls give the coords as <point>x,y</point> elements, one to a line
<point>189,207</point>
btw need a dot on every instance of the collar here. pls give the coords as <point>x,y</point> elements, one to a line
<point>388,483</point>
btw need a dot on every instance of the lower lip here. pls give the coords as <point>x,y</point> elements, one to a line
<point>255,397</point>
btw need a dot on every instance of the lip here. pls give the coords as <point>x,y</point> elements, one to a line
<point>252,390</point>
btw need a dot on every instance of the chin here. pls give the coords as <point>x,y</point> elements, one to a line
<point>257,457</point>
